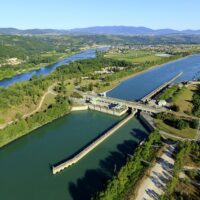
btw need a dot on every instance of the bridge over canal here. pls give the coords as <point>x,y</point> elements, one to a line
<point>130,104</point>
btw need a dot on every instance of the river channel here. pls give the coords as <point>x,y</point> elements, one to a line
<point>91,53</point>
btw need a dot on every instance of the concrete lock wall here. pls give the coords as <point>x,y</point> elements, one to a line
<point>146,121</point>
<point>76,158</point>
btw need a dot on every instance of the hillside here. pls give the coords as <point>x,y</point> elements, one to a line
<point>105,30</point>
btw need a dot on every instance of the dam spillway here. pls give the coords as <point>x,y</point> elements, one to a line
<point>65,164</point>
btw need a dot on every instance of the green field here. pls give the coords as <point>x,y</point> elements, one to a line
<point>185,133</point>
<point>183,99</point>
<point>135,56</point>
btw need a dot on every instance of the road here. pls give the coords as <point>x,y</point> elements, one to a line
<point>153,186</point>
<point>49,91</point>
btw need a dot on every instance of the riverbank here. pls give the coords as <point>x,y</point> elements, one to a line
<point>37,67</point>
<point>23,127</point>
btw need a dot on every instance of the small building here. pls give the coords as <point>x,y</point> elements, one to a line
<point>162,103</point>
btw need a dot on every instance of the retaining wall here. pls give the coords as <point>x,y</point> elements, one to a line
<point>147,121</point>
<point>79,108</point>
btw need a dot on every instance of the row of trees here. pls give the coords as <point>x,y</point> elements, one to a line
<point>196,103</point>
<point>177,123</point>
<point>167,94</point>
<point>184,150</point>
<point>119,186</point>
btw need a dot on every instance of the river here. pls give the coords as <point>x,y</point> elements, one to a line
<point>25,164</point>
<point>91,53</point>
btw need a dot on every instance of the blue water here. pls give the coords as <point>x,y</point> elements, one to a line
<point>137,87</point>
<point>91,53</point>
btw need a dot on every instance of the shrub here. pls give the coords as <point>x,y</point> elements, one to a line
<point>182,124</point>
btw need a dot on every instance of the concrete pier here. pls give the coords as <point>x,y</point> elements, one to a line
<point>61,166</point>
<point>148,97</point>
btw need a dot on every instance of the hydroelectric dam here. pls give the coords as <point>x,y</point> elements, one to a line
<point>95,102</point>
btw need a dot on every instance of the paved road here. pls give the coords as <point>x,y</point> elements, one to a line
<point>153,186</point>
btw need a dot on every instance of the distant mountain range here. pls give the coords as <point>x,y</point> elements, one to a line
<point>100,30</point>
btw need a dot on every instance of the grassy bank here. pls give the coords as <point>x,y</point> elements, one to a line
<point>24,126</point>
<point>132,73</point>
<point>189,133</point>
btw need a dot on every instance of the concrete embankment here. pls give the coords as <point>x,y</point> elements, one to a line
<point>157,90</point>
<point>147,121</point>
<point>79,108</point>
<point>58,167</point>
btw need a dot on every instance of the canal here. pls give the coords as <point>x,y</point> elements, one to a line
<point>137,87</point>
<point>25,164</point>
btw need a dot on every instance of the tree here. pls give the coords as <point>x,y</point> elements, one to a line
<point>181,124</point>
<point>194,123</point>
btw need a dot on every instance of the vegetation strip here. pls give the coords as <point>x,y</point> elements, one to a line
<point>119,186</point>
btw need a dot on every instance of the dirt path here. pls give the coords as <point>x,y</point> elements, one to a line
<point>153,186</point>
<point>49,91</point>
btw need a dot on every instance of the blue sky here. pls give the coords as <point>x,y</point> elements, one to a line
<point>65,14</point>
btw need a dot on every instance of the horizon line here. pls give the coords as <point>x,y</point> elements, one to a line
<point>11,27</point>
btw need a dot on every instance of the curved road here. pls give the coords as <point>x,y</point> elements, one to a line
<point>49,91</point>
